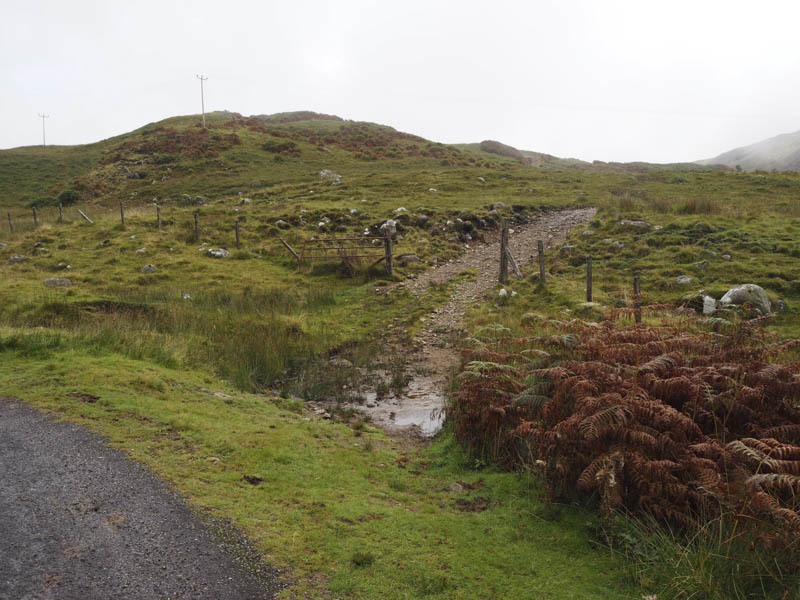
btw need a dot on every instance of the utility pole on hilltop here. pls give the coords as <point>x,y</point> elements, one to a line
<point>43,118</point>
<point>202,100</point>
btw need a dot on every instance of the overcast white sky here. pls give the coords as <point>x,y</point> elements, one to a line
<point>608,80</point>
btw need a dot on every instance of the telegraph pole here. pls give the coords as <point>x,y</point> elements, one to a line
<point>43,118</point>
<point>202,100</point>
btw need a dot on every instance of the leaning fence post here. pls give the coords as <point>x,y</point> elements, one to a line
<point>60,212</point>
<point>122,214</point>
<point>196,229</point>
<point>637,299</point>
<point>35,218</point>
<point>238,245</point>
<point>387,241</point>
<point>540,247</point>
<point>588,278</point>
<point>81,213</point>
<point>10,223</point>
<point>158,216</point>
<point>503,255</point>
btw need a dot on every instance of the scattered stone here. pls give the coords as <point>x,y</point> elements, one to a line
<point>399,210</point>
<point>200,200</point>
<point>422,220</point>
<point>566,250</point>
<point>503,293</point>
<point>141,251</point>
<point>616,243</point>
<point>222,395</point>
<point>149,269</point>
<point>702,265</point>
<point>63,266</point>
<point>406,259</point>
<point>281,224</point>
<point>218,253</point>
<point>586,232</point>
<point>212,459</point>
<point>186,198</point>
<point>246,200</point>
<point>3,244</point>
<point>328,174</point>
<point>636,224</point>
<point>589,305</point>
<point>186,296</point>
<point>389,227</point>
<point>16,258</point>
<point>780,306</point>
<point>700,302</point>
<point>455,488</point>
<point>726,257</point>
<point>57,282</point>
<point>354,211</point>
<point>338,361</point>
<point>499,206</point>
<point>748,293</point>
<point>684,280</point>
<point>702,227</point>
<point>432,189</point>
<point>133,237</point>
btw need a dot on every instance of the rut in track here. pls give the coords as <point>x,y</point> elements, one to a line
<point>432,357</point>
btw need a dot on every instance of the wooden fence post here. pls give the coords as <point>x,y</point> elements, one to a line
<point>588,278</point>
<point>81,213</point>
<point>196,229</point>
<point>387,241</point>
<point>158,216</point>
<point>503,253</point>
<point>60,212</point>
<point>10,223</point>
<point>540,247</point>
<point>122,214</point>
<point>238,244</point>
<point>637,299</point>
<point>35,218</point>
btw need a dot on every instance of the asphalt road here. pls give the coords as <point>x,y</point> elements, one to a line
<point>81,520</point>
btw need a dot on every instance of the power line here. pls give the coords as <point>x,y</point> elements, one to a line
<point>202,99</point>
<point>43,118</point>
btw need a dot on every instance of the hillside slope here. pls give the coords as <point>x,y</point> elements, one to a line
<point>174,157</point>
<point>779,153</point>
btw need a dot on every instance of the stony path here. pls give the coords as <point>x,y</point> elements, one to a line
<point>433,357</point>
<point>79,520</point>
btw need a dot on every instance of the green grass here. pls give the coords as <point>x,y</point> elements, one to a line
<point>348,511</point>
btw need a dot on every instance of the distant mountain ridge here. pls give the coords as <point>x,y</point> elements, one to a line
<point>542,160</point>
<point>779,153</point>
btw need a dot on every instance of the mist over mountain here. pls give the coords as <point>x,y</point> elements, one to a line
<point>780,153</point>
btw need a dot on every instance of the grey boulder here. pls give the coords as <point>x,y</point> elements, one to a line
<point>635,224</point>
<point>748,293</point>
<point>218,253</point>
<point>57,282</point>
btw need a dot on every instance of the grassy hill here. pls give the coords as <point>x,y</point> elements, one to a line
<point>176,156</point>
<point>779,153</point>
<point>212,358</point>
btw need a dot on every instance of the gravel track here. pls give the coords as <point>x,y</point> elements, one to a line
<point>433,357</point>
<point>80,520</point>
